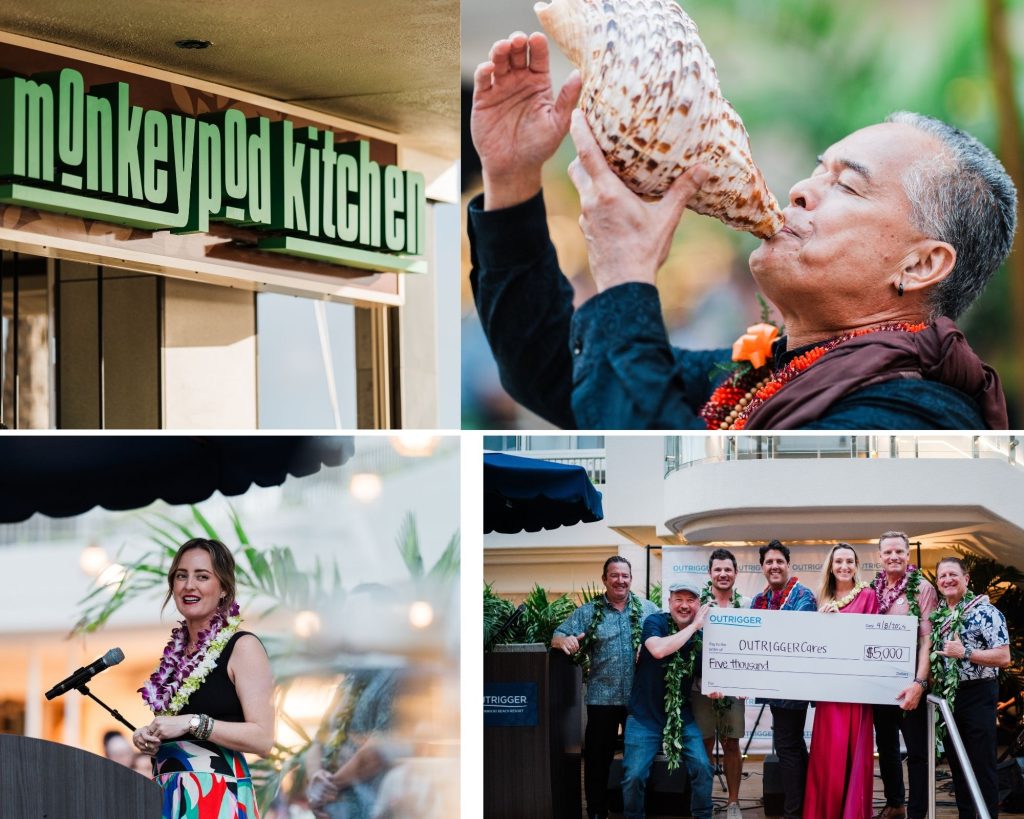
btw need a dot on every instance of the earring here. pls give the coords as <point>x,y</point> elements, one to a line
<point>899,289</point>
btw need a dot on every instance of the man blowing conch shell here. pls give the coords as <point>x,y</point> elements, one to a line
<point>869,273</point>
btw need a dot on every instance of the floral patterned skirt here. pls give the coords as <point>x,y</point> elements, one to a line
<point>202,780</point>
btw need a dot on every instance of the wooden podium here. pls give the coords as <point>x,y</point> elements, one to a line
<point>532,734</point>
<point>46,780</point>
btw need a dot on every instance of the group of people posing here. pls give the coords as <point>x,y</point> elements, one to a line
<point>645,668</point>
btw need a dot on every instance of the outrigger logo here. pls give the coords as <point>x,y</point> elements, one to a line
<point>96,155</point>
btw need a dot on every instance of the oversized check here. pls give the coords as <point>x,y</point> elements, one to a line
<point>798,655</point>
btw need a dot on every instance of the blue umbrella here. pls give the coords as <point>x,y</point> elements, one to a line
<point>531,494</point>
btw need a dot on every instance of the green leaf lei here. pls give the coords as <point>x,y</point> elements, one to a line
<point>946,670</point>
<point>913,584</point>
<point>679,668</point>
<point>724,703</point>
<point>599,606</point>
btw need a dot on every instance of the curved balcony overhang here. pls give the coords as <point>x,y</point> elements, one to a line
<point>974,503</point>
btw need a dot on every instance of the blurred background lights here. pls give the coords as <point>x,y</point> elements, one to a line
<point>111,576</point>
<point>414,444</point>
<point>365,487</point>
<point>304,705</point>
<point>93,560</point>
<point>306,624</point>
<point>421,614</point>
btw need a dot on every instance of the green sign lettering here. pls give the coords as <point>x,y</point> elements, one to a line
<point>94,154</point>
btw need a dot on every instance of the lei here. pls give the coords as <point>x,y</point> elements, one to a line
<point>910,582</point>
<point>636,622</point>
<point>179,674</point>
<point>724,703</point>
<point>946,622</point>
<point>678,669</point>
<point>764,601</point>
<point>748,389</point>
<point>846,599</point>
<point>337,730</point>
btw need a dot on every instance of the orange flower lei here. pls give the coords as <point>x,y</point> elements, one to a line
<point>744,392</point>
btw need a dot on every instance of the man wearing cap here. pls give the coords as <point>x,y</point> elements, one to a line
<point>670,649</point>
<point>607,630</point>
<point>901,589</point>
<point>724,717</point>
<point>788,716</point>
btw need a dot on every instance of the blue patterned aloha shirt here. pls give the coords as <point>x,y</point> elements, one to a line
<point>612,657</point>
<point>984,627</point>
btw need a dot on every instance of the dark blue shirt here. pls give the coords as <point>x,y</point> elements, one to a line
<point>609,364</point>
<point>647,699</point>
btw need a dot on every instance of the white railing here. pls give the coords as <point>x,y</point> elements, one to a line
<point>681,453</point>
<point>958,748</point>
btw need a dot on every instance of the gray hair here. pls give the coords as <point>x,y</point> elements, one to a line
<point>965,198</point>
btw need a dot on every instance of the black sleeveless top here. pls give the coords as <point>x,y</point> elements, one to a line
<point>216,696</point>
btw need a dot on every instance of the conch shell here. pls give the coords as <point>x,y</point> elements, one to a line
<point>651,98</point>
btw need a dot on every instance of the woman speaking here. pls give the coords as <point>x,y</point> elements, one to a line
<point>971,642</point>
<point>211,694</point>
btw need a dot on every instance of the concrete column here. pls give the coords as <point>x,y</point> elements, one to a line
<point>209,357</point>
<point>34,694</point>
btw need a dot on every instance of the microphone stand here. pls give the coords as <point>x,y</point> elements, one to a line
<point>84,689</point>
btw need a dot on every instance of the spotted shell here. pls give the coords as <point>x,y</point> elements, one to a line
<point>651,98</point>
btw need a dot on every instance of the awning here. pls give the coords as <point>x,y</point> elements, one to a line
<point>531,494</point>
<point>60,475</point>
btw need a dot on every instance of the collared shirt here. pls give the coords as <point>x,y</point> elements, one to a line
<point>744,602</point>
<point>611,656</point>
<point>609,363</point>
<point>927,600</point>
<point>984,627</point>
<point>800,598</point>
<point>647,700</point>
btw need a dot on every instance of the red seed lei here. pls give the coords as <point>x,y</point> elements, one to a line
<point>744,392</point>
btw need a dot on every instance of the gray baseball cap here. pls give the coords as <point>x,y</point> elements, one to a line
<point>685,585</point>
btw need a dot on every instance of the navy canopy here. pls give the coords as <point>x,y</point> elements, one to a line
<point>531,494</point>
<point>61,475</point>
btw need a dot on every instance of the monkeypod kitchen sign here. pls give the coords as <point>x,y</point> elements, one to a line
<point>94,151</point>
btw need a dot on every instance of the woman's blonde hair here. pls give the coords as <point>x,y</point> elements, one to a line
<point>827,588</point>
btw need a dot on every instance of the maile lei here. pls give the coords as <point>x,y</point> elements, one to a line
<point>337,731</point>
<point>179,674</point>
<point>600,606</point>
<point>722,704</point>
<point>947,624</point>
<point>678,669</point>
<point>909,583</point>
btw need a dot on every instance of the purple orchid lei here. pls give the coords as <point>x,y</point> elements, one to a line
<point>176,666</point>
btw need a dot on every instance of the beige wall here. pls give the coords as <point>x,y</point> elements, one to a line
<point>209,357</point>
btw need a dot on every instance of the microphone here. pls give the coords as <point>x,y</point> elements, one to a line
<point>83,675</point>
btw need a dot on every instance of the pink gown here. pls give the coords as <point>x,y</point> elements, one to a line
<point>841,767</point>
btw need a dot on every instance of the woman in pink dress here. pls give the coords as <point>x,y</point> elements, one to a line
<point>839,774</point>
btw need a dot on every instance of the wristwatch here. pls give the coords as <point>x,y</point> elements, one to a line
<point>922,683</point>
<point>967,654</point>
<point>194,723</point>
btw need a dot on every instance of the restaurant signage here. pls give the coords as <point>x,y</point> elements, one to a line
<point>91,153</point>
